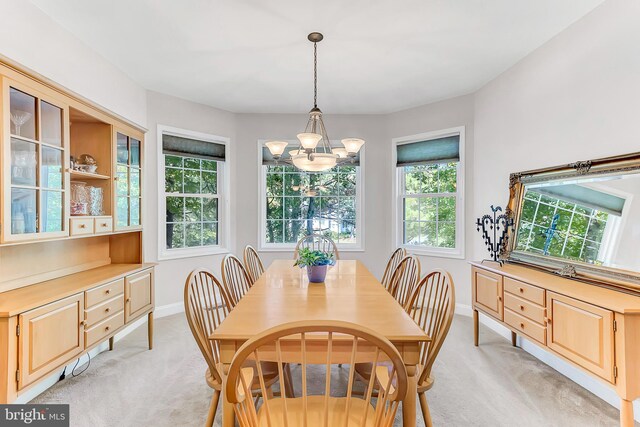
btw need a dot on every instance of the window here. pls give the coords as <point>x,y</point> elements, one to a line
<point>192,193</point>
<point>429,207</point>
<point>552,223</point>
<point>297,203</point>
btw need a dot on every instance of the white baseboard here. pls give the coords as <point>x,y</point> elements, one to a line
<point>47,382</point>
<point>574,374</point>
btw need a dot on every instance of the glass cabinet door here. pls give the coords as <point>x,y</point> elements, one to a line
<point>36,166</point>
<point>128,182</point>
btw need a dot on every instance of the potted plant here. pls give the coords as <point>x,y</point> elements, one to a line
<point>316,263</point>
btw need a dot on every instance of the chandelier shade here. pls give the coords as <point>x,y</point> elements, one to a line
<point>309,140</point>
<point>315,162</point>
<point>352,145</point>
<point>276,147</point>
<point>315,153</point>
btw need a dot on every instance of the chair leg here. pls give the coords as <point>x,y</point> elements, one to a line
<point>425,410</point>
<point>212,408</point>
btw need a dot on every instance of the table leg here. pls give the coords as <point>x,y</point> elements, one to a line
<point>228,417</point>
<point>409,403</point>
<point>150,330</point>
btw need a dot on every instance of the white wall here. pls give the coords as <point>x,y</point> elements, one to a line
<point>170,111</point>
<point>576,97</point>
<point>442,115</point>
<point>31,38</point>
<point>253,127</point>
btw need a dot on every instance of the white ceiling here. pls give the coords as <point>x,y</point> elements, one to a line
<point>378,56</point>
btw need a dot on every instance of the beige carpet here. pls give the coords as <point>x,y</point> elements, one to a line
<point>493,385</point>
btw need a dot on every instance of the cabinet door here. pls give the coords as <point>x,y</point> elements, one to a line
<point>583,333</point>
<point>487,292</point>
<point>50,336</point>
<point>138,294</point>
<point>128,182</point>
<point>35,159</point>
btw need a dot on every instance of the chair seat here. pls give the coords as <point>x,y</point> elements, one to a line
<point>269,372</point>
<point>315,412</point>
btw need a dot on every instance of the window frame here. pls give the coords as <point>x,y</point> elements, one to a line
<point>397,191</point>
<point>223,196</point>
<point>263,246</point>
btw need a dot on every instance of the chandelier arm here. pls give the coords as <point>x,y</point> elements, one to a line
<point>326,143</point>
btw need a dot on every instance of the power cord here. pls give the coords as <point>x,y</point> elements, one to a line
<point>73,371</point>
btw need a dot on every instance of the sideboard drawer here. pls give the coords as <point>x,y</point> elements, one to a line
<point>525,308</point>
<point>526,326</point>
<point>102,311</point>
<point>104,225</point>
<point>102,293</point>
<point>103,329</point>
<point>81,226</point>
<point>524,290</point>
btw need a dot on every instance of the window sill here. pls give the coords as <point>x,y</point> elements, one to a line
<point>415,250</point>
<point>293,248</point>
<point>191,253</point>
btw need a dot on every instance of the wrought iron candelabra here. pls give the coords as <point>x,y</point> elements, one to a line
<point>494,231</point>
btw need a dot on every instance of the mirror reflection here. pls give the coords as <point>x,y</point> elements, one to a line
<point>590,220</point>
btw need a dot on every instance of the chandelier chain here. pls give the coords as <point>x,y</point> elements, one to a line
<point>315,75</point>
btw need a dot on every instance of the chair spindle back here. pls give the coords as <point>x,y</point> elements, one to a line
<point>405,279</point>
<point>395,258</point>
<point>235,278</point>
<point>317,242</point>
<point>252,263</point>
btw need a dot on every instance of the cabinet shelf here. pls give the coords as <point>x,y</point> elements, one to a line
<point>87,175</point>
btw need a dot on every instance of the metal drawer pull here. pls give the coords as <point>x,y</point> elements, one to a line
<point>104,224</point>
<point>82,226</point>
<point>522,325</point>
<point>107,309</point>
<point>106,328</point>
<point>522,307</point>
<point>108,291</point>
<point>521,290</point>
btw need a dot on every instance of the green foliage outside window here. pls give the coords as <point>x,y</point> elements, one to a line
<point>429,205</point>
<point>191,202</point>
<point>578,233</point>
<point>301,203</point>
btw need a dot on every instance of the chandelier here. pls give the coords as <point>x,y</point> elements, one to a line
<point>314,153</point>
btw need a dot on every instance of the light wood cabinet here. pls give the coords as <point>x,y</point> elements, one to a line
<point>138,294</point>
<point>48,337</point>
<point>35,148</point>
<point>594,328</point>
<point>62,277</point>
<point>583,333</point>
<point>128,181</point>
<point>487,292</point>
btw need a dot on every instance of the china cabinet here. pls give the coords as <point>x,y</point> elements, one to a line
<point>128,182</point>
<point>72,270</point>
<point>35,151</point>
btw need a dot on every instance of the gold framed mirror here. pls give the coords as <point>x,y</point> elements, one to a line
<point>580,220</point>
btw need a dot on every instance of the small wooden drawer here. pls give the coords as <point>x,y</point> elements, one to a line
<point>524,290</point>
<point>104,225</point>
<point>104,310</point>
<point>103,329</point>
<point>526,326</point>
<point>525,308</point>
<point>102,293</point>
<point>80,226</point>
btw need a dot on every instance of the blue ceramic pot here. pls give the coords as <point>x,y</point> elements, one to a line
<point>317,273</point>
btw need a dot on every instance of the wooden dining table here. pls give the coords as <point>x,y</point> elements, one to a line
<point>350,293</point>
